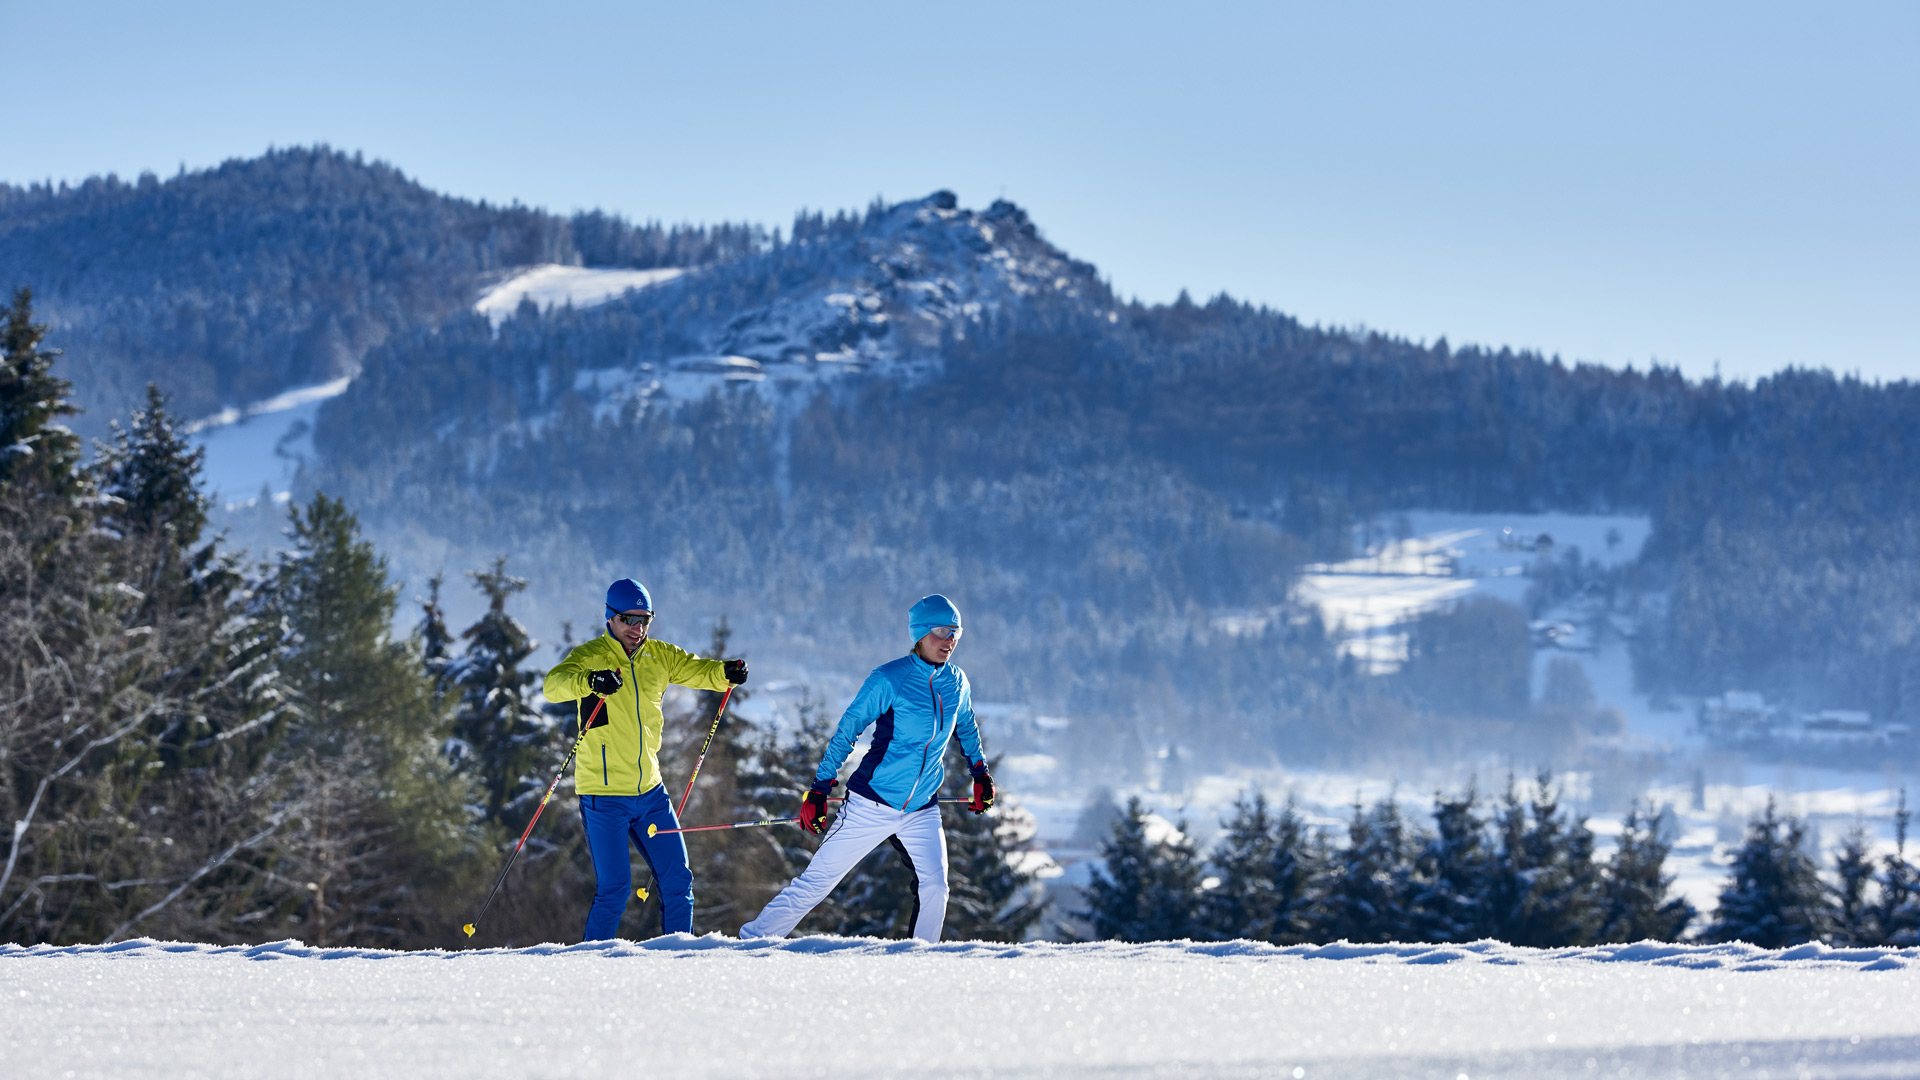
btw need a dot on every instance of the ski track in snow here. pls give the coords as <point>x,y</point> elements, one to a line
<point>824,1006</point>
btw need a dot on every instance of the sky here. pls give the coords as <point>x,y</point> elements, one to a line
<point>1714,186</point>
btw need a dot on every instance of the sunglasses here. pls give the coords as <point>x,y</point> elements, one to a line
<point>946,633</point>
<point>640,619</point>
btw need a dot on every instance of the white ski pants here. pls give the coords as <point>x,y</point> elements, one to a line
<point>862,826</point>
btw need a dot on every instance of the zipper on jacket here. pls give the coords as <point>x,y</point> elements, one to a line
<point>604,782</point>
<point>640,763</point>
<point>939,721</point>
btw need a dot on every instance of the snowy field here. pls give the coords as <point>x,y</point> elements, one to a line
<point>816,1007</point>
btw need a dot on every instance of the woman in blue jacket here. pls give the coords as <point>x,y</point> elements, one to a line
<point>914,704</point>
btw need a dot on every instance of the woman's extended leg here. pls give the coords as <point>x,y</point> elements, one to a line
<point>862,826</point>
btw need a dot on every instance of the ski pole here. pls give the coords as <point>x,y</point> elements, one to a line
<point>655,830</point>
<point>544,799</point>
<point>942,799</point>
<point>701,760</point>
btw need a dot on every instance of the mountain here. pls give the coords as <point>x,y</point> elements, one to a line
<point>232,284</point>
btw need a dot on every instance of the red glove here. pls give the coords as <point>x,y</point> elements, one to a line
<point>813,813</point>
<point>982,791</point>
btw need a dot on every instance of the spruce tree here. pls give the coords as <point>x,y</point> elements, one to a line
<point>153,472</point>
<point>1773,897</point>
<point>200,653</point>
<point>1145,891</point>
<point>1635,904</point>
<point>1546,888</point>
<point>1897,912</point>
<point>1368,896</point>
<point>1853,871</point>
<point>1455,873</point>
<point>435,640</point>
<point>34,446</point>
<point>501,739</point>
<point>1300,859</point>
<point>377,829</point>
<point>1242,904</point>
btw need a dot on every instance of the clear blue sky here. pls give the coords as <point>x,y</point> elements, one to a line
<point>1699,183</point>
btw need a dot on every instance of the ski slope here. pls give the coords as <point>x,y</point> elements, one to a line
<point>261,447</point>
<point>554,285</point>
<point>814,1007</point>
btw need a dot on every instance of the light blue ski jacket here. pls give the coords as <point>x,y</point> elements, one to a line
<point>914,707</point>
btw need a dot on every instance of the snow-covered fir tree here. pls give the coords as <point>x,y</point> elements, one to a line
<point>1455,872</point>
<point>1369,891</point>
<point>1852,904</point>
<point>1144,891</point>
<point>1773,896</point>
<point>1896,909</point>
<point>436,641</point>
<point>1545,888</point>
<point>1635,901</point>
<point>500,738</point>
<point>1242,903</point>
<point>1300,858</point>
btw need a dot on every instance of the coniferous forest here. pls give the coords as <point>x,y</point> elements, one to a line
<point>234,745</point>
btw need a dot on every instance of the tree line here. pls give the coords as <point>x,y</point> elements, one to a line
<point>194,746</point>
<point>1524,873</point>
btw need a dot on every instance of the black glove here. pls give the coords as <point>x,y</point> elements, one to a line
<point>604,682</point>
<point>736,671</point>
<point>813,812</point>
<point>982,791</point>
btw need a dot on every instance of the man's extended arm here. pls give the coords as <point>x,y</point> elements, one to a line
<point>689,670</point>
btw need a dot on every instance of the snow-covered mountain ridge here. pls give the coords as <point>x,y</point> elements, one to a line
<point>918,269</point>
<point>880,294</point>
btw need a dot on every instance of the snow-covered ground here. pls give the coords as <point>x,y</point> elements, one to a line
<point>817,1007</point>
<point>553,285</point>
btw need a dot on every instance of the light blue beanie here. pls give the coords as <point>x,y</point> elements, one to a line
<point>931,611</point>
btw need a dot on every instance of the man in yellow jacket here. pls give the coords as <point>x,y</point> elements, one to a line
<point>617,769</point>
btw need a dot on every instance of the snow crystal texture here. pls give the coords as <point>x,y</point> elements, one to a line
<point>716,1007</point>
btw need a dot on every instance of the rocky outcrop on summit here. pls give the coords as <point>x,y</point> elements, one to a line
<point>885,292</point>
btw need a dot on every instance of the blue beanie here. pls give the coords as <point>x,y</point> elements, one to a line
<point>931,611</point>
<point>628,595</point>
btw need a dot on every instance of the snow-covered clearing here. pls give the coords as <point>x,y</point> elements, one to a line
<point>715,1007</point>
<point>1441,557</point>
<point>554,285</point>
<point>261,446</point>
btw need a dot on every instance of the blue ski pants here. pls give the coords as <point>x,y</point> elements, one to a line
<point>612,822</point>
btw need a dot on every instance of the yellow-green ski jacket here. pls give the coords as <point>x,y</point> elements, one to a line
<point>622,756</point>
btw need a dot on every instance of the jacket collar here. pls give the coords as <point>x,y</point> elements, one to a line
<point>924,668</point>
<point>619,649</point>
